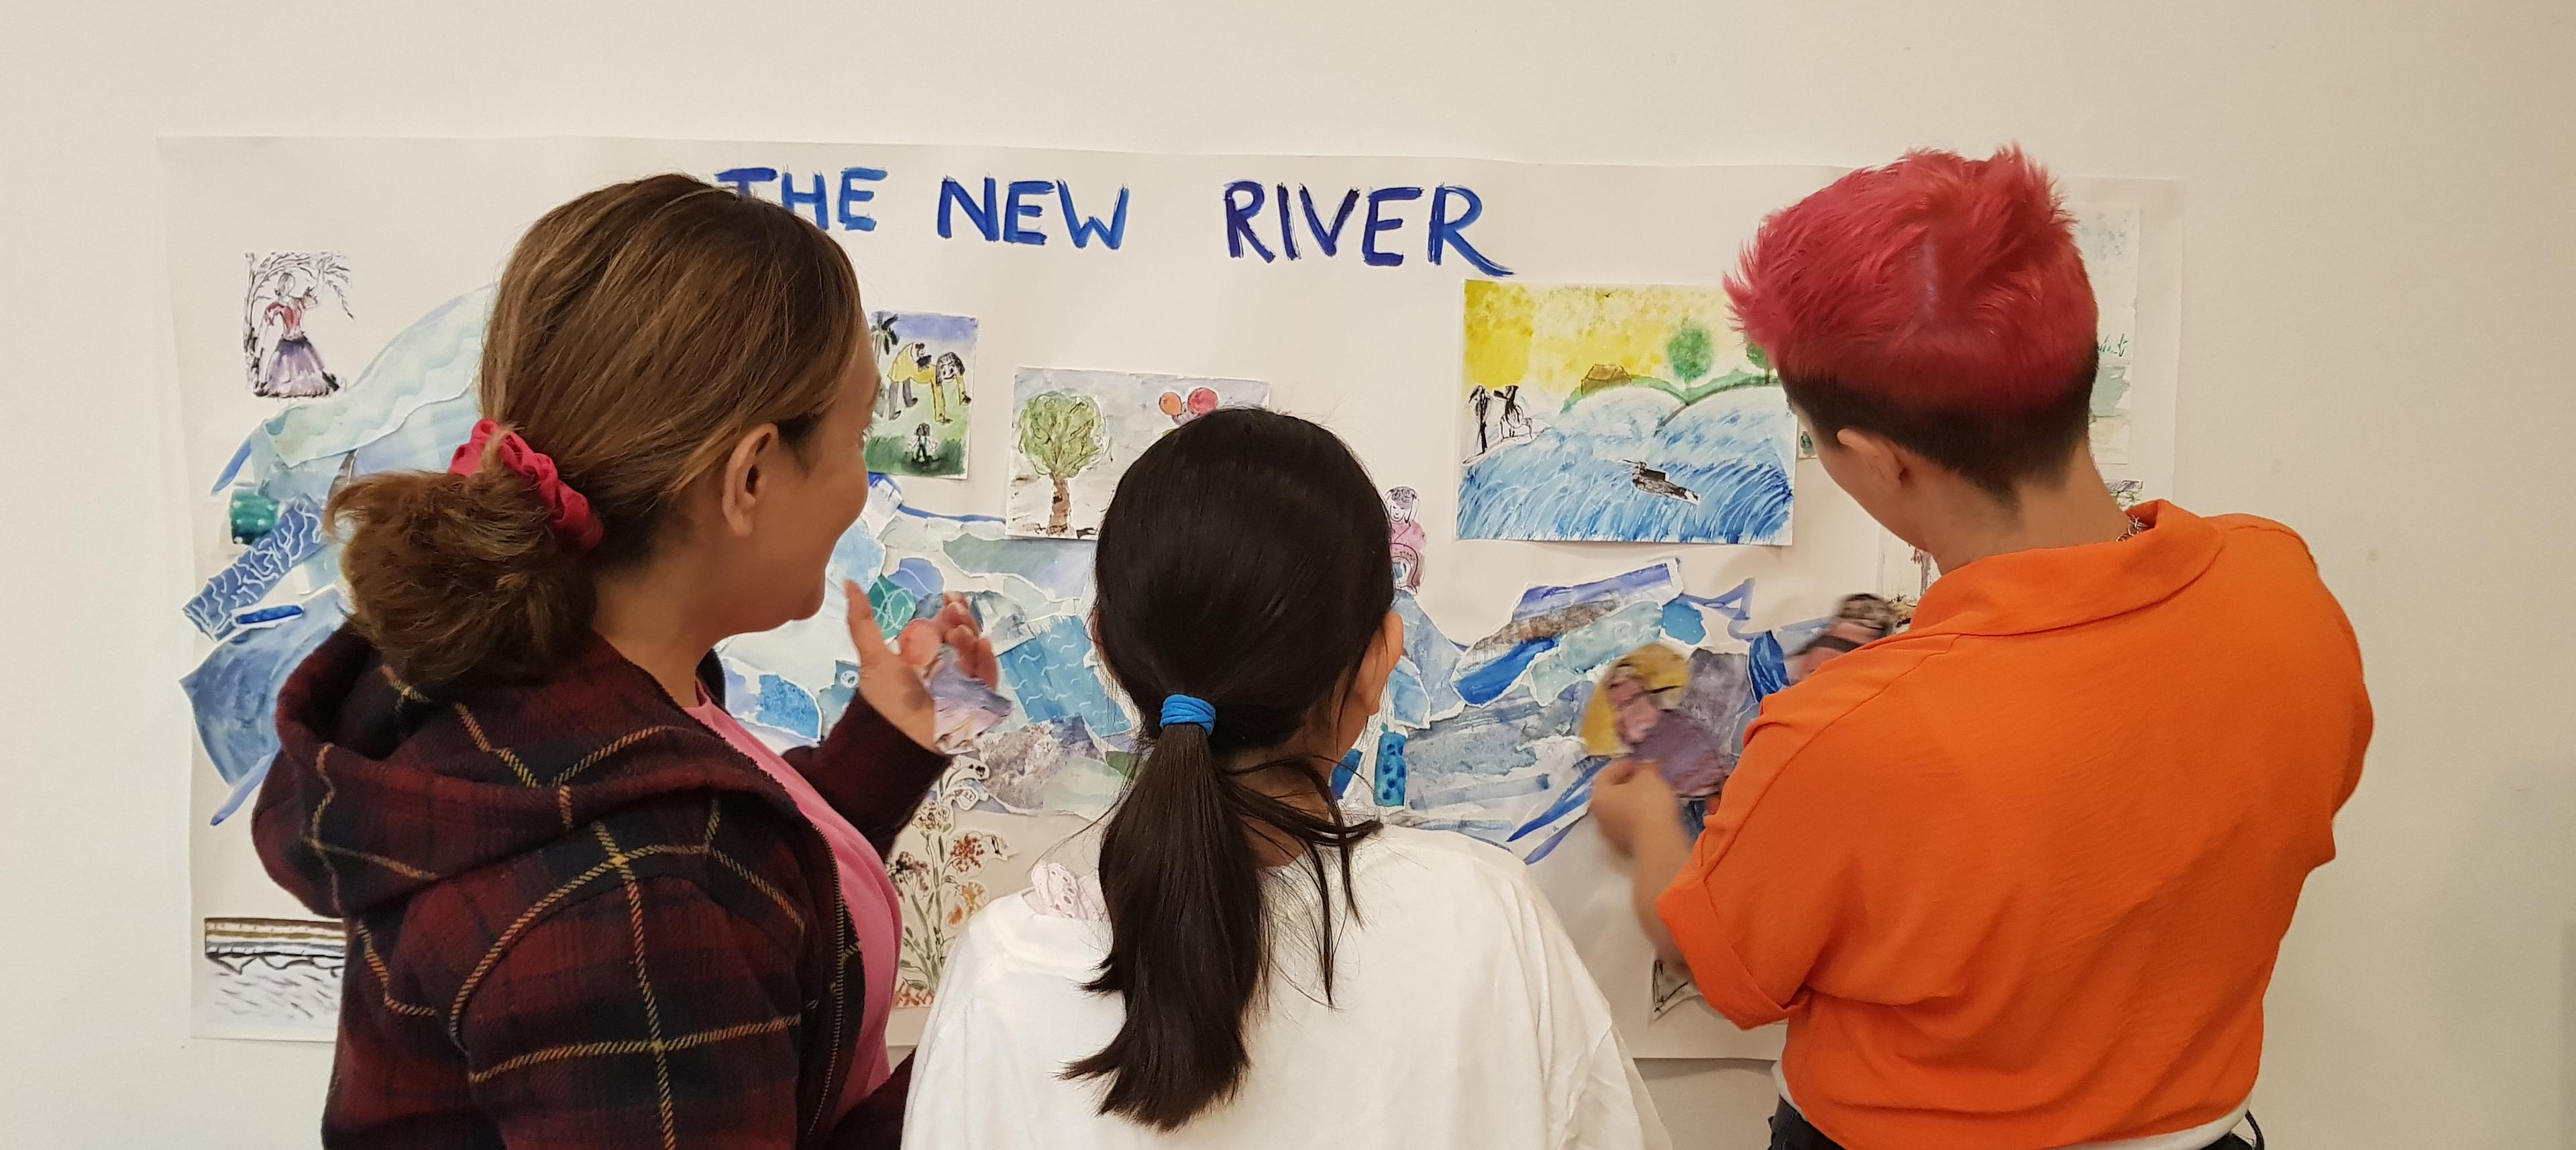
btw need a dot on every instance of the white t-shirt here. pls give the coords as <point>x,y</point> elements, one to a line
<point>1461,1017</point>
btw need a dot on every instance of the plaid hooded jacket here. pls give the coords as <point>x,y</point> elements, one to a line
<point>576,916</point>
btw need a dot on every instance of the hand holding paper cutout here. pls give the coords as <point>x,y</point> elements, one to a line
<point>896,682</point>
<point>1632,803</point>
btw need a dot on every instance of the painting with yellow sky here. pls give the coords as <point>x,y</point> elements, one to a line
<point>1619,414</point>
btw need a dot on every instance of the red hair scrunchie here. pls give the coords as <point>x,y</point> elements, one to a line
<point>567,511</point>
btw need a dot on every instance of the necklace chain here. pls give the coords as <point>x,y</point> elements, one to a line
<point>2137,527</point>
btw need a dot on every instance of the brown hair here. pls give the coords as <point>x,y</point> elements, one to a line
<point>638,332</point>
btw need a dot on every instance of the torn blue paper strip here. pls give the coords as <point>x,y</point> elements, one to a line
<point>296,538</point>
<point>785,706</point>
<point>1434,657</point>
<point>425,441</point>
<point>1545,616</point>
<point>1060,567</point>
<point>233,691</point>
<point>436,358</point>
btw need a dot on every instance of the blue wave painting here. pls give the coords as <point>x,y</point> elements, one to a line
<point>1610,467</point>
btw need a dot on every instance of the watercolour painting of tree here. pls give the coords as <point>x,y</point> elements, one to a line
<point>1073,433</point>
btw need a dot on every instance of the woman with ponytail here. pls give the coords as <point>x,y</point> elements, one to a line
<point>586,908</point>
<point>1246,968</point>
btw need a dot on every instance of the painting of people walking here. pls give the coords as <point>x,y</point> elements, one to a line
<point>926,362</point>
<point>1619,414</point>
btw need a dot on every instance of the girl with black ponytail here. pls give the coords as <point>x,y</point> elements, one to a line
<point>1247,968</point>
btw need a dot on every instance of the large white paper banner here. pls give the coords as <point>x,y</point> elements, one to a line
<point>328,297</point>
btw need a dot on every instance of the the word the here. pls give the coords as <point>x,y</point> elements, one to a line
<point>846,202</point>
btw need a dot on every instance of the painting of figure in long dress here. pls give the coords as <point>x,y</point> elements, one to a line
<point>285,289</point>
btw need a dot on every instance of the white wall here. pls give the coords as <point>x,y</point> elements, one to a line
<point>2379,267</point>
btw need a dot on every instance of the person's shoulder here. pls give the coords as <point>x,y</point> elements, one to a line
<point>995,929</point>
<point>2260,556</point>
<point>1460,897</point>
<point>2233,522</point>
<point>734,849</point>
<point>1444,864</point>
<point>1853,684</point>
<point>1010,933</point>
<point>2254,531</point>
<point>1449,851</point>
<point>1858,721</point>
<point>1448,890</point>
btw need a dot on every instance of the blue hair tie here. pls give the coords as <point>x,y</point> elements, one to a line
<point>1186,710</point>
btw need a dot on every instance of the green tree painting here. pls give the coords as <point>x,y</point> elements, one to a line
<point>1060,433</point>
<point>1690,351</point>
<point>1761,361</point>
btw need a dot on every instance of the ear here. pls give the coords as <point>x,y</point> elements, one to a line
<point>1875,458</point>
<point>1368,688</point>
<point>745,478</point>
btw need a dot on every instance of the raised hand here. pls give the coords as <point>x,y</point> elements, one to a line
<point>894,679</point>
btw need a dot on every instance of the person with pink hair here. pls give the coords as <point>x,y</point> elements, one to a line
<point>2015,877</point>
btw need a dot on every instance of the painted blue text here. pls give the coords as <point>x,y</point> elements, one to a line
<point>844,203</point>
<point>1328,225</point>
<point>1015,213</point>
